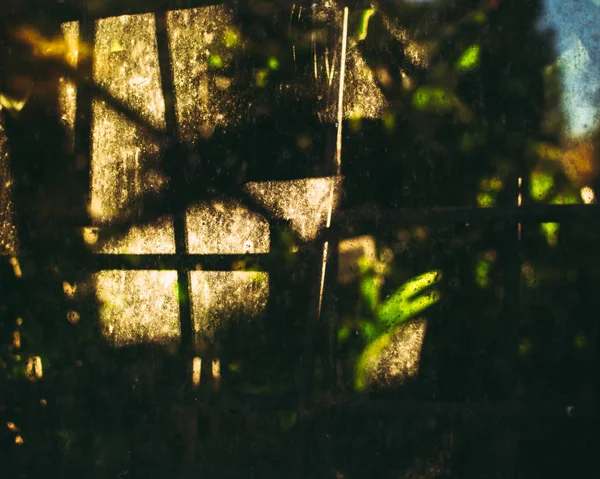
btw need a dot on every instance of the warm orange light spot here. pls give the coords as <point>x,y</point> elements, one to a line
<point>19,321</point>
<point>19,440</point>
<point>196,370</point>
<point>16,267</point>
<point>73,317</point>
<point>34,370</point>
<point>12,426</point>
<point>43,402</point>
<point>216,373</point>
<point>16,339</point>
<point>69,289</point>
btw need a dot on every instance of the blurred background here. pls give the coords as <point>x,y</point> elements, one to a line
<point>266,238</point>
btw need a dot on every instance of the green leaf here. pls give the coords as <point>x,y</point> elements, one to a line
<point>469,59</point>
<point>407,301</point>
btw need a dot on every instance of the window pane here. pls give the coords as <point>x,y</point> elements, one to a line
<point>138,307</point>
<point>124,159</point>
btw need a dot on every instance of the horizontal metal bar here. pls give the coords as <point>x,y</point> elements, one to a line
<point>241,262</point>
<point>521,214</point>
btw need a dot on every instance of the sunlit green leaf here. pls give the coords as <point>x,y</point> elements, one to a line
<point>215,61</point>
<point>343,334</point>
<point>550,231</point>
<point>485,200</point>
<point>370,288</point>
<point>363,26</point>
<point>369,358</point>
<point>273,63</point>
<point>540,184</point>
<point>369,330</point>
<point>482,272</point>
<point>469,59</point>
<point>406,301</point>
<point>434,99</point>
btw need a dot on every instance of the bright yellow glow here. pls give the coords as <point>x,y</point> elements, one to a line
<point>587,195</point>
<point>304,203</point>
<point>16,339</point>
<point>156,238</point>
<point>350,252</point>
<point>138,307</point>
<point>12,426</point>
<point>19,440</point>
<point>197,38</point>
<point>226,228</point>
<point>19,321</point>
<point>218,296</point>
<point>216,372</point>
<point>16,267</point>
<point>67,88</point>
<point>392,358</point>
<point>34,370</point>
<point>69,289</point>
<point>45,47</point>
<point>122,153</point>
<point>196,370</point>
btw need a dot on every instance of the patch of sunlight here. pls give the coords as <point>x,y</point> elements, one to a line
<point>12,427</point>
<point>34,370</point>
<point>363,97</point>
<point>121,151</point>
<point>485,200</point>
<point>12,105</point>
<point>138,307</point>
<point>482,273</point>
<point>44,47</point>
<point>226,228</point>
<point>587,195</point>
<point>392,358</point>
<point>434,99</point>
<point>200,38</point>
<point>216,373</point>
<point>217,296</point>
<point>540,184</point>
<point>156,238</point>
<point>469,59</point>
<point>14,262</point>
<point>363,26</point>
<point>67,89</point>
<point>350,251</point>
<point>550,232</point>
<point>8,236</point>
<point>305,203</point>
<point>408,301</point>
<point>196,371</point>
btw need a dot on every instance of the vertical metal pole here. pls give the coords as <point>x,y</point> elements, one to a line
<point>174,162</point>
